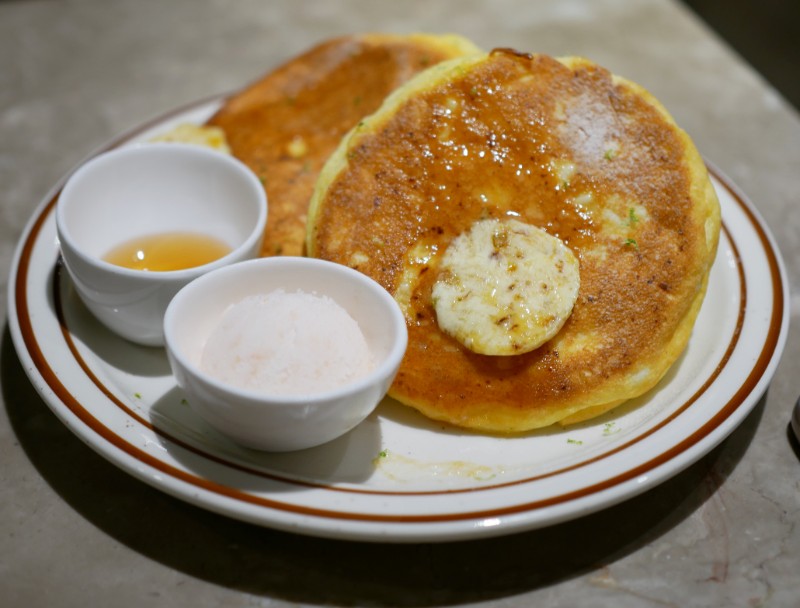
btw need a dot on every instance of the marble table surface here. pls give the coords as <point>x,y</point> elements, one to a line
<point>77,531</point>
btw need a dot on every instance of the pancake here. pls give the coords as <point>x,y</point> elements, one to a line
<point>285,125</point>
<point>561,145</point>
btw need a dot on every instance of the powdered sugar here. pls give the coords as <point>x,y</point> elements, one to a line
<point>288,344</point>
<point>589,128</point>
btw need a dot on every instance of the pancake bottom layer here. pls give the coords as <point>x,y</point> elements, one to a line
<point>285,125</point>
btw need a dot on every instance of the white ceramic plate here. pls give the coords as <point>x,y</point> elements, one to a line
<point>399,477</point>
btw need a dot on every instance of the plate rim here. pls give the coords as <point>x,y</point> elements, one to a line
<point>37,368</point>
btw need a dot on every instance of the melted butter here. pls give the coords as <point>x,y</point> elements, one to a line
<point>167,251</point>
<point>202,135</point>
<point>399,467</point>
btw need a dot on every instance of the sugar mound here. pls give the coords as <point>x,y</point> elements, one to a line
<point>287,343</point>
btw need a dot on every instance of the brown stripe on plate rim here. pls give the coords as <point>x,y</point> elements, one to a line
<point>67,335</point>
<point>74,405</point>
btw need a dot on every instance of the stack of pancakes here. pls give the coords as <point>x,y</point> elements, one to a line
<point>560,145</point>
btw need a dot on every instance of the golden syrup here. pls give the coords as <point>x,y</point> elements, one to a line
<point>167,251</point>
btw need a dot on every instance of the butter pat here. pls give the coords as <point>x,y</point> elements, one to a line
<point>505,287</point>
<point>287,344</point>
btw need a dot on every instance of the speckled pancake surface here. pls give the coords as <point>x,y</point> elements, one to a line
<point>560,144</point>
<point>285,125</point>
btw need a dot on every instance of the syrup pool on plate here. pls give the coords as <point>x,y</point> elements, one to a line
<point>167,251</point>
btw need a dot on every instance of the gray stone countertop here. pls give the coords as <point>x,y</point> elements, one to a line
<point>77,531</point>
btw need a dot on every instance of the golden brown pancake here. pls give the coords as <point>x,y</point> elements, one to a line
<point>560,144</point>
<point>285,125</point>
